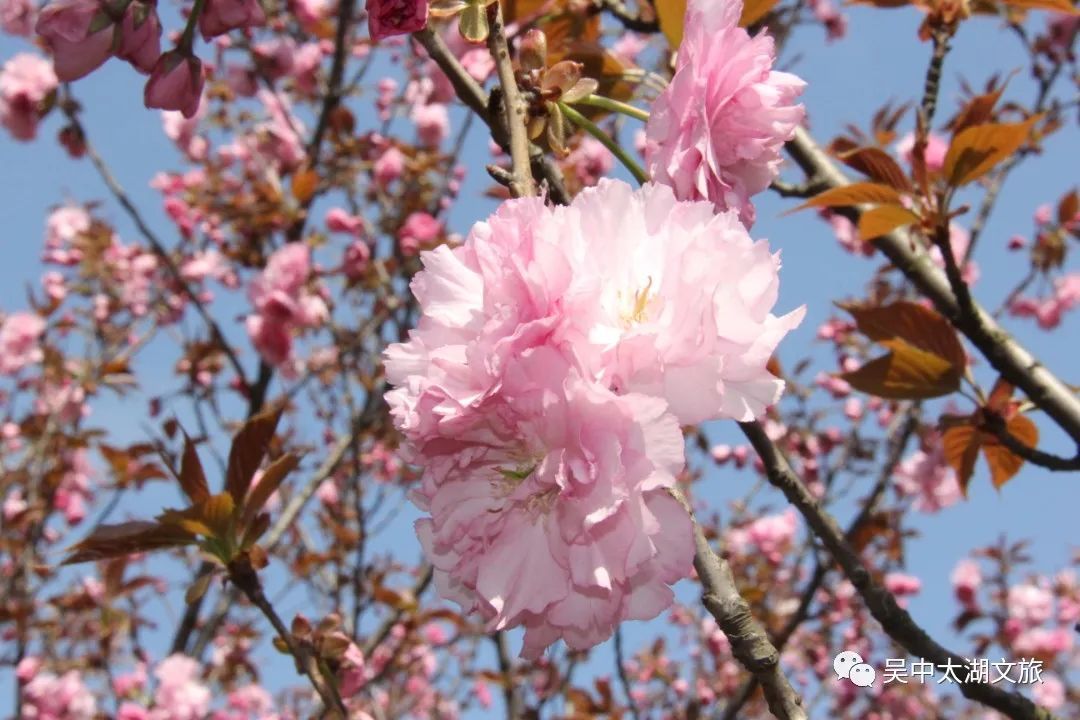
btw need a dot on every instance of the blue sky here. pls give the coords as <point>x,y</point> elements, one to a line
<point>881,60</point>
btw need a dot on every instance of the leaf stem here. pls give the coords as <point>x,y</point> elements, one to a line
<point>593,129</point>
<point>606,103</point>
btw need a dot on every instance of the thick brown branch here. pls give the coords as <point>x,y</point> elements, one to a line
<point>749,643</point>
<point>896,621</point>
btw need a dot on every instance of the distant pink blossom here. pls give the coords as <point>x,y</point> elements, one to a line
<point>590,160</point>
<point>180,694</point>
<point>20,334</point>
<point>418,230</point>
<point>17,17</point>
<point>770,536</point>
<point>1030,604</point>
<point>26,80</point>
<point>338,220</point>
<point>283,303</point>
<point>934,154</point>
<point>220,16</point>
<point>356,260</point>
<point>1050,692</point>
<point>925,476</point>
<point>1050,310</point>
<point>387,18</point>
<point>48,697</point>
<point>176,83</point>
<point>432,123</point>
<point>388,167</point>
<point>716,132</point>
<point>966,578</point>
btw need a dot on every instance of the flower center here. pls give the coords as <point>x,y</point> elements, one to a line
<point>638,311</point>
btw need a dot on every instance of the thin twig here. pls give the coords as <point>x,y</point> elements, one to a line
<point>749,643</point>
<point>522,184</point>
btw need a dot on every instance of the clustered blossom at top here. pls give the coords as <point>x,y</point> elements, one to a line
<point>717,130</point>
<point>558,351</point>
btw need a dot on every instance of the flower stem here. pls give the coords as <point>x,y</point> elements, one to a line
<point>606,103</point>
<point>590,127</point>
<point>187,38</point>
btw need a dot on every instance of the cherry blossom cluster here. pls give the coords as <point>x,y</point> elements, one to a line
<point>558,351</point>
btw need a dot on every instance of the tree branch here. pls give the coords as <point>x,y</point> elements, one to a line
<point>880,602</point>
<point>1003,352</point>
<point>522,184</point>
<point>749,643</point>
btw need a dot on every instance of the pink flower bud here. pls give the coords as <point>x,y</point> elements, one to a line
<point>140,36</point>
<point>395,17</point>
<point>80,35</point>
<point>175,84</point>
<point>221,16</point>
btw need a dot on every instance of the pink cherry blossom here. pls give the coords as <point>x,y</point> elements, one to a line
<point>590,160</point>
<point>1030,604</point>
<point>934,154</point>
<point>356,260</point>
<point>770,536</point>
<point>338,220</point>
<point>1050,692</point>
<point>925,476</point>
<point>966,578</point>
<point>220,16</point>
<point>716,132</point>
<point>48,697</point>
<point>180,693</point>
<point>25,81</point>
<point>65,25</point>
<point>548,507</point>
<point>19,341</point>
<point>388,166</point>
<point>432,123</point>
<point>395,17</point>
<point>176,83</point>
<point>17,17</point>
<point>419,229</point>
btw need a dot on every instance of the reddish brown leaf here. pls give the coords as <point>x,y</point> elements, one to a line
<point>755,10</point>
<point>907,373</point>
<point>979,110</point>
<point>1003,463</point>
<point>602,65</point>
<point>917,325</point>
<point>109,541</point>
<point>1000,397</point>
<point>247,452</point>
<point>1061,6</point>
<point>878,221</point>
<point>304,183</point>
<point>269,482</point>
<point>961,444</point>
<point>976,150</point>
<point>671,15</point>
<point>859,193</point>
<point>877,165</point>
<point>192,478</point>
<point>1068,208</point>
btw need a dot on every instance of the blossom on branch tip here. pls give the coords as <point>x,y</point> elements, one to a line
<point>176,83</point>
<point>716,132</point>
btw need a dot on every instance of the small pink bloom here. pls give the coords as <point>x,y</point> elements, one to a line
<point>418,230</point>
<point>180,688</point>
<point>26,80</point>
<point>131,711</point>
<point>338,220</point>
<point>936,147</point>
<point>80,35</point>
<point>17,17</point>
<point>1050,692</point>
<point>966,578</point>
<point>395,17</point>
<point>19,341</point>
<point>220,16</point>
<point>926,476</point>
<point>716,132</point>
<point>1030,604</point>
<point>27,668</point>
<point>357,258</point>
<point>388,167</point>
<point>432,123</point>
<point>272,339</point>
<point>1043,214</point>
<point>176,83</point>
